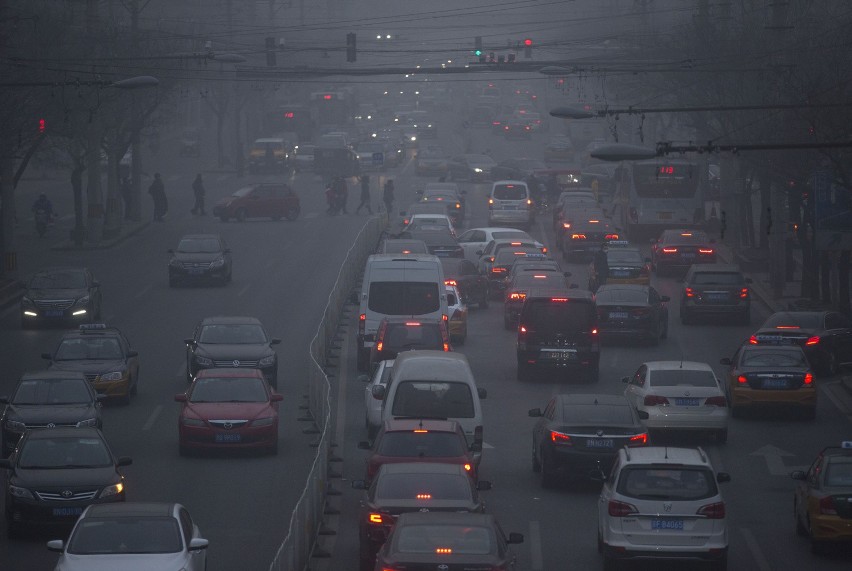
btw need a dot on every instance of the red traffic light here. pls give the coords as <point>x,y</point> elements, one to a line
<point>42,125</point>
<point>528,42</point>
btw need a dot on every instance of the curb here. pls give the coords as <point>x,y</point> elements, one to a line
<point>127,231</point>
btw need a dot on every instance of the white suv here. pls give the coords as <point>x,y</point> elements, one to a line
<point>510,203</point>
<point>663,503</point>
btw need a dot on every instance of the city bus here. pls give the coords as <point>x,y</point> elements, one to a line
<point>660,193</point>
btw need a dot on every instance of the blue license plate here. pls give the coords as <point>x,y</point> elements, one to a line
<point>717,296</point>
<point>599,443</point>
<point>620,274</point>
<point>667,524</point>
<point>66,512</point>
<point>686,256</point>
<point>233,437</point>
<point>618,315</point>
<point>774,383</point>
<point>686,402</point>
<point>53,313</point>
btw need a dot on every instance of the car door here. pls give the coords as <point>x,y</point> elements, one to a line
<point>805,498</point>
<point>471,241</point>
<point>197,558</point>
<point>469,279</point>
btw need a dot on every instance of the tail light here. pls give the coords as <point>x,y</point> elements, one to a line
<point>529,202</point>
<point>744,293</point>
<point>826,506</point>
<point>517,295</point>
<point>560,438</point>
<point>450,282</point>
<point>742,379</point>
<point>689,292</point>
<point>405,221</point>
<point>812,341</point>
<point>490,201</point>
<point>446,347</point>
<point>458,205</point>
<point>379,346</point>
<point>611,237</point>
<point>544,249</point>
<point>809,378</point>
<point>578,236</point>
<point>594,331</point>
<point>444,318</point>
<point>655,400</point>
<point>376,518</point>
<point>362,324</point>
<point>706,252</point>
<point>634,215</point>
<point>639,439</point>
<point>713,511</point>
<point>670,250</point>
<point>621,509</point>
<point>753,340</point>
<point>566,225</point>
<point>716,401</point>
<point>468,467</point>
<point>498,270</point>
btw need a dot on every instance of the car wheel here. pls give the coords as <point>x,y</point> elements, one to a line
<point>828,365</point>
<point>536,465</point>
<point>125,399</point>
<point>460,340</point>
<point>593,373</point>
<point>272,449</point>
<point>367,562</point>
<point>600,543</point>
<point>273,382</point>
<point>13,530</point>
<point>721,436</point>
<point>25,323</point>
<point>183,450</point>
<point>818,547</point>
<point>134,388</point>
<point>548,477</point>
<point>292,213</point>
<point>223,217</point>
<point>610,563</point>
<point>241,214</point>
<point>507,323</point>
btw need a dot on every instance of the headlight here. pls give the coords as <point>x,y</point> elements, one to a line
<point>413,138</point>
<point>477,170</point>
<point>203,361</point>
<point>15,426</point>
<point>113,490</point>
<point>192,422</point>
<point>93,422</point>
<point>113,376</point>
<point>20,492</point>
<point>263,421</point>
<point>217,263</point>
<point>266,361</point>
<point>83,300</point>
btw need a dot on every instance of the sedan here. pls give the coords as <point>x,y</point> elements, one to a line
<point>580,433</point>
<point>518,287</point>
<point>770,375</point>
<point>632,312</point>
<point>200,257</point>
<point>228,408</point>
<point>825,336</point>
<point>475,240</point>
<point>61,295</point>
<point>261,200</point>
<point>411,487</point>
<point>624,266</point>
<point>54,474</point>
<point>679,396</point>
<point>133,536</point>
<point>463,274</point>
<point>430,160</point>
<point>440,243</point>
<point>372,404</point>
<point>680,249</point>
<point>470,167</point>
<point>48,399</point>
<point>448,541</point>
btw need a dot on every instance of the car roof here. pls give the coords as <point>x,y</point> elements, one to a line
<point>508,181</point>
<point>431,424</point>
<point>131,509</point>
<point>52,375</point>
<point>591,398</point>
<point>665,455</point>
<point>422,468</point>
<point>677,365</point>
<point>230,319</point>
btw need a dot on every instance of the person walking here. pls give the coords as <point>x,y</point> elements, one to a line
<point>365,195</point>
<point>126,192</point>
<point>157,190</point>
<point>387,196</point>
<point>342,191</point>
<point>199,192</point>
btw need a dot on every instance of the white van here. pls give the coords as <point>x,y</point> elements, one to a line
<point>394,285</point>
<point>435,384</point>
<point>510,203</point>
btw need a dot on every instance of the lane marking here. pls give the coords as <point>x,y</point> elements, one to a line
<point>244,290</point>
<point>756,552</point>
<point>535,546</point>
<point>144,290</point>
<point>153,418</point>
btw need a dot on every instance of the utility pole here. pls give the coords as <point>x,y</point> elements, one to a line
<point>135,205</point>
<point>94,198</point>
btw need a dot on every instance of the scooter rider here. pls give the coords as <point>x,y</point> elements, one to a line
<point>43,204</point>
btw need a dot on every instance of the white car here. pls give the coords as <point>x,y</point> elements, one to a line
<point>494,246</point>
<point>373,405</point>
<point>679,395</point>
<point>475,239</point>
<point>132,536</point>
<point>662,503</point>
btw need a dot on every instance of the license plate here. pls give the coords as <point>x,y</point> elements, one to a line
<point>618,315</point>
<point>508,207</point>
<point>664,215</point>
<point>235,437</point>
<point>687,256</point>
<point>774,383</point>
<point>717,296</point>
<point>667,524</point>
<point>53,313</point>
<point>620,273</point>
<point>686,402</point>
<point>770,338</point>
<point>64,512</point>
<point>599,443</point>
<point>556,354</point>
<point>196,271</point>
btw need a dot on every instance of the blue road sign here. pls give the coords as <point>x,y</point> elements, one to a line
<point>378,159</point>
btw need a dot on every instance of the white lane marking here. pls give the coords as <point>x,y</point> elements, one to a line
<point>181,370</point>
<point>535,546</point>
<point>153,418</point>
<point>144,290</point>
<point>756,552</point>
<point>244,290</point>
<point>774,458</point>
<point>486,446</point>
<point>310,215</point>
<point>839,401</point>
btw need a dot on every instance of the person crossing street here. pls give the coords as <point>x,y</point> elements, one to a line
<point>199,192</point>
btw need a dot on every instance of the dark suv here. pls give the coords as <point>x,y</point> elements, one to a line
<point>558,329</point>
<point>715,290</point>
<point>397,334</point>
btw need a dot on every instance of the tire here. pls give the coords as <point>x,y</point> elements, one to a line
<point>721,436</point>
<point>25,324</point>
<point>548,477</point>
<point>736,412</point>
<point>801,530</point>
<point>507,323</point>
<point>134,388</point>
<point>183,451</point>
<point>828,367</point>
<point>818,547</point>
<point>241,215</point>
<point>13,530</point>
<point>600,543</point>
<point>292,213</point>
<point>593,374</point>
<point>460,340</point>
<point>272,449</point>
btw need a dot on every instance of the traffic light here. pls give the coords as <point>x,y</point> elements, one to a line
<point>528,48</point>
<point>351,50</point>
<point>42,126</point>
<point>477,46</point>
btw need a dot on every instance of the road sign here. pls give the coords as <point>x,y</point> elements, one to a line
<point>833,212</point>
<point>378,159</point>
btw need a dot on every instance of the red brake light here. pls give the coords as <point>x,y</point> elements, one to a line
<point>753,340</point>
<point>522,329</point>
<point>713,511</point>
<point>379,346</point>
<point>424,496</point>
<point>611,237</point>
<point>517,295</point>
<point>515,243</point>
<point>689,293</point>
<point>786,327</point>
<point>446,347</point>
<point>744,293</point>
<point>412,324</point>
<point>826,506</point>
<point>669,250</point>
<point>639,439</point>
<point>595,331</point>
<point>655,400</point>
<point>559,299</point>
<point>450,282</point>
<point>578,236</point>
<point>362,317</point>
<point>621,509</point>
<point>559,438</point>
<point>742,379</point>
<point>686,234</point>
<point>705,251</point>
<point>443,550</point>
<point>498,270</point>
<point>812,340</point>
<point>715,401</point>
<point>566,225</point>
<point>809,378</point>
<point>445,318</point>
<point>420,431</point>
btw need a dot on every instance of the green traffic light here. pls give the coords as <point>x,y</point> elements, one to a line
<point>477,53</point>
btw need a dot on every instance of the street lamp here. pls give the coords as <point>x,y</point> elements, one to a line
<point>238,146</point>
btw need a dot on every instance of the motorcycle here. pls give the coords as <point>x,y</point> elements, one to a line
<point>42,218</point>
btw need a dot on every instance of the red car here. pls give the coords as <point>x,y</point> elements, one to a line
<point>416,440</point>
<point>228,408</point>
<point>263,200</point>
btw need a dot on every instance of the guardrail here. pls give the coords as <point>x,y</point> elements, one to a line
<point>295,551</point>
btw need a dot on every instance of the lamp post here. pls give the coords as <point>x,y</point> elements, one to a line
<point>238,145</point>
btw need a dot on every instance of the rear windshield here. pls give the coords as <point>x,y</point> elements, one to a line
<point>839,472</point>
<point>404,298</point>
<point>455,539</point>
<point>510,192</point>
<point>546,315</point>
<point>801,320</point>
<point>509,234</point>
<point>410,444</point>
<point>416,487</point>
<point>624,257</point>
<point>774,359</point>
<point>717,278</point>
<point>507,256</point>
<point>622,296</point>
<point>666,483</point>
<point>597,413</point>
<point>685,238</point>
<point>402,337</point>
<point>676,377</point>
<point>430,399</point>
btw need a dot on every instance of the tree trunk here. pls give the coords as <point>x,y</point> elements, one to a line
<point>825,277</point>
<point>79,232</point>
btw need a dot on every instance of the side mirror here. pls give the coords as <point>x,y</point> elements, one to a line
<point>665,298</point>
<point>180,397</point>
<point>799,475</point>
<point>534,412</point>
<point>45,356</point>
<point>363,378</point>
<point>483,393</point>
<point>378,392</point>
<point>723,477</point>
<point>124,461</point>
<point>364,445</point>
<point>56,545</point>
<point>275,341</point>
<point>483,485</point>
<point>189,341</point>
<point>359,484</point>
<point>625,380</point>
<point>96,284</point>
<point>133,353</point>
<point>725,361</point>
<point>198,543</point>
<point>276,397</point>
<point>515,538</point>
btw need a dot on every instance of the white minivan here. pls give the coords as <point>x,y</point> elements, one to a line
<point>395,285</point>
<point>510,203</point>
<point>435,384</point>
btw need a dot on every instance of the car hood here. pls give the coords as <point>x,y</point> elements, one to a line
<point>124,561</point>
<point>66,477</point>
<point>197,256</point>
<point>56,293</point>
<point>235,351</point>
<point>88,366</point>
<point>44,413</point>
<point>230,410</point>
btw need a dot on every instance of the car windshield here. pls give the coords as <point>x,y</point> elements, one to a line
<point>228,389</point>
<point>685,238</point>
<point>59,280</point>
<point>149,534</point>
<point>63,452</point>
<point>794,320</point>
<point>615,296</point>
<point>199,246</point>
<point>839,472</point>
<point>89,348</point>
<point>666,483</point>
<point>774,359</point>
<point>404,298</point>
<point>547,316</point>
<point>681,377</point>
<point>429,399</point>
<point>404,337</point>
<point>245,191</point>
<point>718,278</point>
<point>455,539</point>
<point>424,444</point>
<point>510,192</point>
<point>418,487</point>
<point>53,391</point>
<point>405,247</point>
<point>232,334</point>
<point>624,257</point>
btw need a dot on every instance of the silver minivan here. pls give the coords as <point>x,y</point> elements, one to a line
<point>510,203</point>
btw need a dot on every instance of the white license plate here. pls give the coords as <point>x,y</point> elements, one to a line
<point>667,524</point>
<point>618,315</point>
<point>686,402</point>
<point>560,354</point>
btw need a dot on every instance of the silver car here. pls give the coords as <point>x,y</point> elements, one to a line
<point>373,405</point>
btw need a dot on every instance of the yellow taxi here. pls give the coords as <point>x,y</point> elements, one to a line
<point>822,501</point>
<point>625,266</point>
<point>457,311</point>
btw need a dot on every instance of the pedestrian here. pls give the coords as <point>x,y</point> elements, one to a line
<point>126,192</point>
<point>601,264</point>
<point>342,191</point>
<point>198,191</point>
<point>387,196</point>
<point>365,195</point>
<point>157,190</point>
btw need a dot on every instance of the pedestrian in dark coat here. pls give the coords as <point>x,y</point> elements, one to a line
<point>157,190</point>
<point>387,196</point>
<point>199,192</point>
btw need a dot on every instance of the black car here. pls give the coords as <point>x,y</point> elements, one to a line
<point>397,334</point>
<point>462,273</point>
<point>715,290</point>
<point>632,312</point>
<point>517,129</point>
<point>61,295</point>
<point>54,474</point>
<point>517,288</point>
<point>396,246</point>
<point>453,202</point>
<point>580,433</point>
<point>438,540</point>
<point>679,249</point>
<point>48,399</point>
<point>411,487</point>
<point>558,331</point>
<point>499,265</point>
<point>439,242</point>
<point>586,236</point>
<point>825,336</point>
<point>200,257</point>
<point>104,355</point>
<point>231,342</point>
